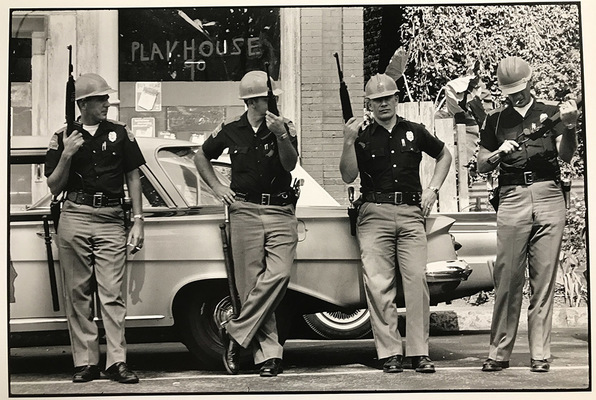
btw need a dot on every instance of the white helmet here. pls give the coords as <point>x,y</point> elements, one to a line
<point>88,85</point>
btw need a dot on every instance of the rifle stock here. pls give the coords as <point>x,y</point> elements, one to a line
<point>344,96</point>
<point>271,101</point>
<point>229,262</point>
<point>52,272</point>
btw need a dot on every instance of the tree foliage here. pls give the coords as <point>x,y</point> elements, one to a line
<point>444,40</point>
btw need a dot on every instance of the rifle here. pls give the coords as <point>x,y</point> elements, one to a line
<point>229,262</point>
<point>271,101</point>
<point>71,123</point>
<point>53,285</point>
<point>536,133</point>
<point>344,96</point>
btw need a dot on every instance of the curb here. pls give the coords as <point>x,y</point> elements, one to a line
<point>456,319</point>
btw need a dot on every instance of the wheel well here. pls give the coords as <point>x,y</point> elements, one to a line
<point>183,296</point>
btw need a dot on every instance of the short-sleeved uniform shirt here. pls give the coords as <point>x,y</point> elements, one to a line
<point>256,167</point>
<point>102,160</point>
<point>534,155</point>
<point>390,161</point>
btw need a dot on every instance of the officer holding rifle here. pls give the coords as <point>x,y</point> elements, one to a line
<point>90,164</point>
<point>391,226</point>
<point>263,151</point>
<point>531,210</point>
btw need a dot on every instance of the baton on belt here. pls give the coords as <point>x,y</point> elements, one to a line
<point>229,261</point>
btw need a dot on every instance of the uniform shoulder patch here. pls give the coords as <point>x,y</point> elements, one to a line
<point>54,141</point>
<point>131,136</point>
<point>217,130</point>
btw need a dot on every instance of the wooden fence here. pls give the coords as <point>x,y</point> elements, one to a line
<point>454,195</point>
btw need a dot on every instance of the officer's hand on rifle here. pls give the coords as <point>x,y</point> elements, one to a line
<point>569,113</point>
<point>73,143</point>
<point>508,147</point>
<point>351,129</point>
<point>224,193</point>
<point>275,124</point>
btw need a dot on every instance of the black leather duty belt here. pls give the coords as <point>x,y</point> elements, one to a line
<point>524,178</point>
<point>93,199</point>
<point>397,198</point>
<point>267,199</point>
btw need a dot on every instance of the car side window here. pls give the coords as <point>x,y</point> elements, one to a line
<point>178,163</point>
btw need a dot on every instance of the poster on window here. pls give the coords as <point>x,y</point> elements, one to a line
<point>148,96</point>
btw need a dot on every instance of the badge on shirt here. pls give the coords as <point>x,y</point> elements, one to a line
<point>53,143</point>
<point>543,117</point>
<point>112,136</point>
<point>410,135</point>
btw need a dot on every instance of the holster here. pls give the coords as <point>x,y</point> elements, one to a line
<point>56,209</point>
<point>493,198</point>
<point>353,211</point>
<point>127,208</point>
<point>566,186</point>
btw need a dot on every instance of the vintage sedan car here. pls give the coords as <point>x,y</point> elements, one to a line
<point>178,279</point>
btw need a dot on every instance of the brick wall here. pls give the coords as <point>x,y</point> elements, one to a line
<point>324,31</point>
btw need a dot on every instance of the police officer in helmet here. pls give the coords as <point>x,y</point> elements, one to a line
<point>90,165</point>
<point>263,151</point>
<point>390,226</point>
<point>531,211</point>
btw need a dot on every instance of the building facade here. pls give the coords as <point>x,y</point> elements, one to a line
<point>177,72</point>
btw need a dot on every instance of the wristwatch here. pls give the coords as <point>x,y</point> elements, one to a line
<point>139,216</point>
<point>434,189</point>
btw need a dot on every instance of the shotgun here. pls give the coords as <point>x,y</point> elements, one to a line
<point>344,96</point>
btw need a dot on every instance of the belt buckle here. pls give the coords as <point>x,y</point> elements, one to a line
<point>397,198</point>
<point>528,177</point>
<point>265,199</point>
<point>97,199</point>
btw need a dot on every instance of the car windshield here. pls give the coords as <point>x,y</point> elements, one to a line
<point>179,166</point>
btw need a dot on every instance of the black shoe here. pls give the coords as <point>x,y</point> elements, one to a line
<point>120,372</point>
<point>86,373</point>
<point>540,366</point>
<point>491,365</point>
<point>271,367</point>
<point>393,364</point>
<point>423,364</point>
<point>230,355</point>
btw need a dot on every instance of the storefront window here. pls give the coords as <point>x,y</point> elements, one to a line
<point>179,69</point>
<point>197,44</point>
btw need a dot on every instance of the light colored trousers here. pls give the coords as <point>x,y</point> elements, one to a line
<point>264,240</point>
<point>393,237</point>
<point>92,246</point>
<point>530,224</point>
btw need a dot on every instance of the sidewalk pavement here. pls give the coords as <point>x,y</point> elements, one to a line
<point>446,318</point>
